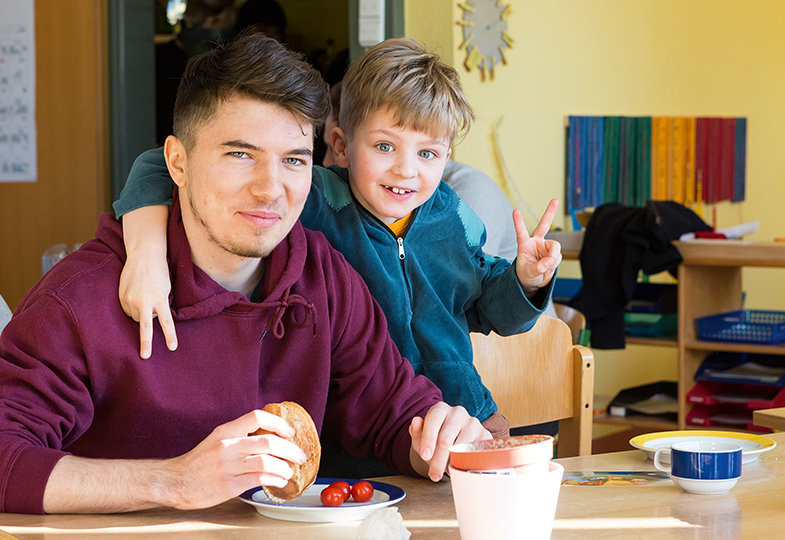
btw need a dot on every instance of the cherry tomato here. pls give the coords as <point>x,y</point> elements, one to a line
<point>345,488</point>
<point>362,491</point>
<point>332,496</point>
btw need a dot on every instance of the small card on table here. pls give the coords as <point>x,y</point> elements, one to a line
<point>615,478</point>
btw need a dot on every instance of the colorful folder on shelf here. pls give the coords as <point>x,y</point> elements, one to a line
<point>660,143</point>
<point>689,160</point>
<point>610,160</point>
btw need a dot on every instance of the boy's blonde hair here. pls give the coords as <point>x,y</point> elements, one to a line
<point>422,92</point>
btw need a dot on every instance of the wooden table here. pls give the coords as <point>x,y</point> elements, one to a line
<point>753,509</point>
<point>770,418</point>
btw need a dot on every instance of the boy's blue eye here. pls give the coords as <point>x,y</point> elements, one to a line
<point>427,154</point>
<point>238,154</point>
<point>294,161</point>
<point>384,147</point>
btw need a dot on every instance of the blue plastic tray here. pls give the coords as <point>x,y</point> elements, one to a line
<point>743,326</point>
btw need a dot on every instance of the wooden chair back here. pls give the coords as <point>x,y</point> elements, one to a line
<point>540,376</point>
<point>573,318</point>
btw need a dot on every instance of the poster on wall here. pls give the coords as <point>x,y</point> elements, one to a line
<point>18,154</point>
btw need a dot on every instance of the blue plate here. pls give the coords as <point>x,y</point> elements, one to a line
<point>309,506</point>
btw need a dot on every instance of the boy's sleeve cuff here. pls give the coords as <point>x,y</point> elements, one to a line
<point>538,301</point>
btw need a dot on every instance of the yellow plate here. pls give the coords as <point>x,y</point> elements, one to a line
<point>752,446</point>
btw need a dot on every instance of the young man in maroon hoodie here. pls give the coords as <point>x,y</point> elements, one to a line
<point>267,310</point>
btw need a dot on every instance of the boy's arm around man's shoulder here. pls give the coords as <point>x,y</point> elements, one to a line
<point>148,183</point>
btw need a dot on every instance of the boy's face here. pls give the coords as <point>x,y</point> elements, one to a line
<point>392,169</point>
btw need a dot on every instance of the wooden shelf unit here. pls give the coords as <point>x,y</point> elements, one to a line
<point>710,283</point>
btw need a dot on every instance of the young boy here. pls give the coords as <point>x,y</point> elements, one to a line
<point>416,244</point>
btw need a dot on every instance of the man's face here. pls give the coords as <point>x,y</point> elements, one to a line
<point>392,169</point>
<point>245,181</point>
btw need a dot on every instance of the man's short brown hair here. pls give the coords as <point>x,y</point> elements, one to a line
<point>421,91</point>
<point>252,66</point>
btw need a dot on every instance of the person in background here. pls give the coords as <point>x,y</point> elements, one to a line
<point>266,309</point>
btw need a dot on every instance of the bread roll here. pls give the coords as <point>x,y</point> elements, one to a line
<point>307,438</point>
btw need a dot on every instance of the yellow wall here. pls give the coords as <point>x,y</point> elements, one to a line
<point>432,23</point>
<point>645,57</point>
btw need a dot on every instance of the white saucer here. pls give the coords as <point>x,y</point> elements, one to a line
<point>705,487</point>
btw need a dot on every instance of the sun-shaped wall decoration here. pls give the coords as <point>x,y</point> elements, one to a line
<point>485,36</point>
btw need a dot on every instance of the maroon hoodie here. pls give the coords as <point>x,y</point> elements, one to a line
<point>71,380</point>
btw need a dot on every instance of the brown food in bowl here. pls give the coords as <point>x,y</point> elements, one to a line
<point>307,438</point>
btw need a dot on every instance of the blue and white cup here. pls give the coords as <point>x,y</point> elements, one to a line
<point>704,467</point>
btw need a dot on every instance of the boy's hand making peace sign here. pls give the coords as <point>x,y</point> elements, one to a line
<point>537,257</point>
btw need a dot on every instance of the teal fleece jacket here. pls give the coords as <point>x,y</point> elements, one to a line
<point>434,283</point>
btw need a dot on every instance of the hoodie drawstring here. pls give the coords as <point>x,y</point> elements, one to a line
<point>288,300</point>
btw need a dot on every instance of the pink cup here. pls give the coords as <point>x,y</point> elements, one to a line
<point>499,504</point>
<point>524,454</point>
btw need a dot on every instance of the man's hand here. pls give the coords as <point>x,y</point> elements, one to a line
<point>229,462</point>
<point>537,257</point>
<point>144,281</point>
<point>432,437</point>
<point>225,464</point>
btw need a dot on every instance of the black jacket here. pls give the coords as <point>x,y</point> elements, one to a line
<point>619,242</point>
